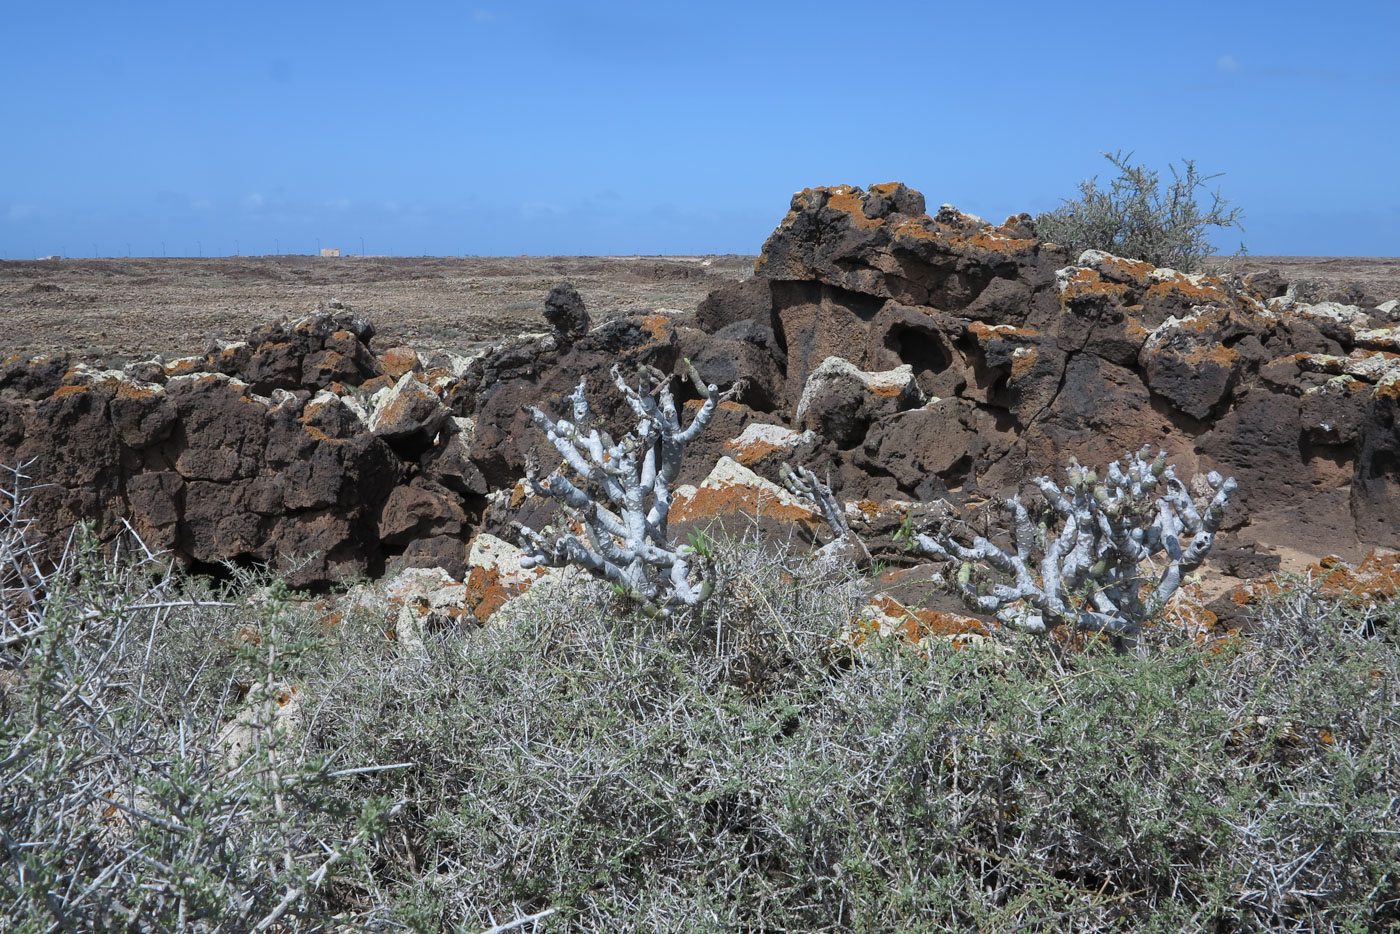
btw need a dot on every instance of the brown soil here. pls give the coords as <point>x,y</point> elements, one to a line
<point>1378,276</point>
<point>116,310</point>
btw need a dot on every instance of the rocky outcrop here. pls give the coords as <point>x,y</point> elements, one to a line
<point>1029,355</point>
<point>906,357</point>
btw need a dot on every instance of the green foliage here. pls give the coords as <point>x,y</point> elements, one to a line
<point>1136,219</point>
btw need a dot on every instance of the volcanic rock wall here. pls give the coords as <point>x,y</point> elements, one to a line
<point>906,356</point>
<point>1026,355</point>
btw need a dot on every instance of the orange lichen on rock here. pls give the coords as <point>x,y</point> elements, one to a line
<point>1087,283</point>
<point>987,332</point>
<point>1023,361</point>
<point>1376,578</point>
<point>1128,271</point>
<point>1134,328</point>
<point>1187,610</point>
<point>126,389</point>
<point>1210,290</point>
<point>1210,353</point>
<point>487,592</point>
<point>707,502</point>
<point>658,326</point>
<point>845,199</point>
<point>991,242</point>
<point>885,617</point>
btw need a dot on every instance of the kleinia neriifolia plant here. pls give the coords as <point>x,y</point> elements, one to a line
<point>1102,555</point>
<point>626,541</point>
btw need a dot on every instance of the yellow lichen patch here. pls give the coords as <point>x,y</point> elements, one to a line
<point>70,390</point>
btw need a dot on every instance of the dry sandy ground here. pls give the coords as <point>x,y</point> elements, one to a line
<point>116,310</point>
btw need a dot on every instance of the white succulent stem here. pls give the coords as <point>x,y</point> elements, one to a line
<point>802,482</point>
<point>620,493</point>
<point>1095,572</point>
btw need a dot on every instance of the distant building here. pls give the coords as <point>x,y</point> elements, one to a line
<point>330,251</point>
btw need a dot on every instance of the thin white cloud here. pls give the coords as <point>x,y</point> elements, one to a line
<point>484,16</point>
<point>19,212</point>
<point>1228,63</point>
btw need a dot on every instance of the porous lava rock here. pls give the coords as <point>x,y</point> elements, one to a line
<point>1030,355</point>
<point>566,313</point>
<point>907,357</point>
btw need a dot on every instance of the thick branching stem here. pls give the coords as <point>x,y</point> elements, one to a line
<point>618,492</point>
<point>1124,546</point>
<point>847,545</point>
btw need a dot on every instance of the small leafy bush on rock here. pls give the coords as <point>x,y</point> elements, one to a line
<point>1135,218</point>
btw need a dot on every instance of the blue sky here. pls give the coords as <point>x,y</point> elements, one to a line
<point>600,128</point>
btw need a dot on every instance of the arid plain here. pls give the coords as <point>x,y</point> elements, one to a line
<point>113,311</point>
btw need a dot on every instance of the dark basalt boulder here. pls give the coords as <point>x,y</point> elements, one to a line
<point>565,312</point>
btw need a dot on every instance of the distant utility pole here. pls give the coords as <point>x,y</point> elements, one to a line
<point>277,244</point>
<point>318,246</point>
<point>94,251</point>
<point>128,251</point>
<point>199,245</point>
<point>362,246</point>
<point>162,249</point>
<point>235,248</point>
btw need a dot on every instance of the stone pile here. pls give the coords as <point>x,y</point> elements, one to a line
<point>908,357</point>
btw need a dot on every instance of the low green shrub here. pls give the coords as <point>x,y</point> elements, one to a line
<point>1136,219</point>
